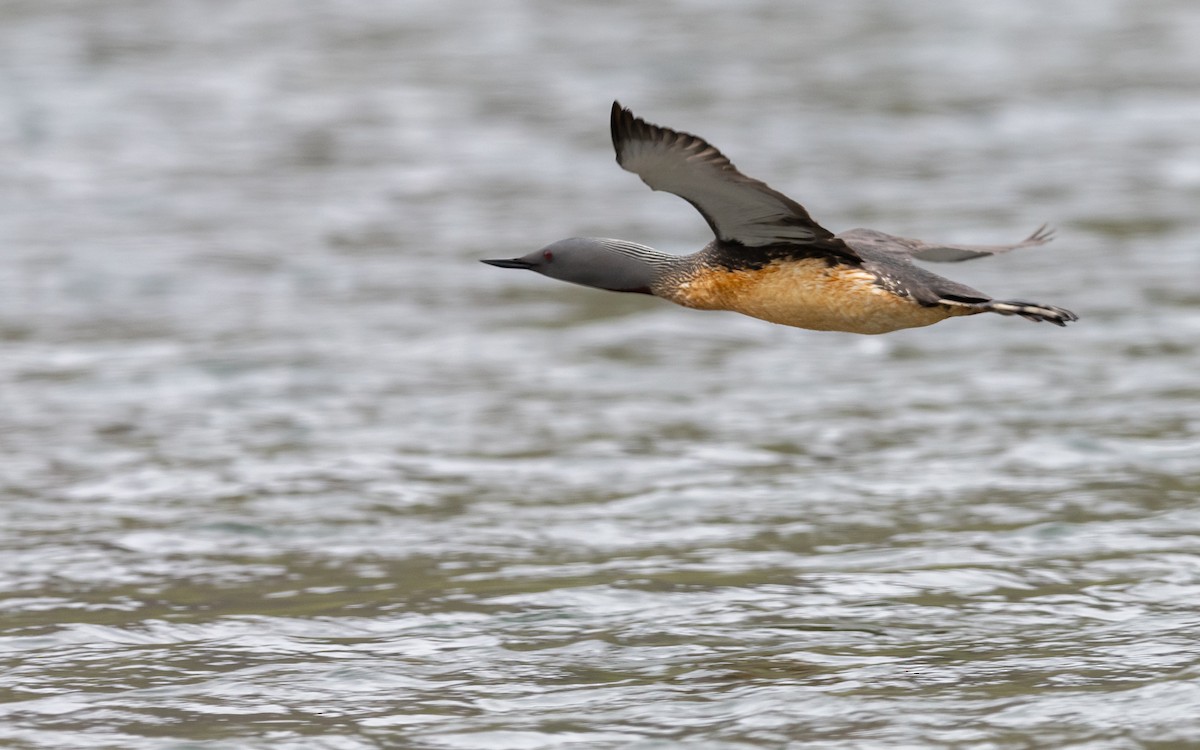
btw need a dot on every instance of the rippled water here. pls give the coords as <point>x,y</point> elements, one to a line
<point>281,465</point>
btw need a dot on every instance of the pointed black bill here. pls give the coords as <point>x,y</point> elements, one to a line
<point>509,263</point>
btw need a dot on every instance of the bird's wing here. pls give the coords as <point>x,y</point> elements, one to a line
<point>922,250</point>
<point>739,209</point>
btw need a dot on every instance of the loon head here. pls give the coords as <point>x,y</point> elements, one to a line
<point>615,265</point>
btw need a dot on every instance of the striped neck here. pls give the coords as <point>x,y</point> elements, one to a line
<point>620,266</point>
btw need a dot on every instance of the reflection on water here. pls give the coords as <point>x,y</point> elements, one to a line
<point>283,466</point>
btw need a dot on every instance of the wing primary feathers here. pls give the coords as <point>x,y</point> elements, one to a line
<point>741,211</point>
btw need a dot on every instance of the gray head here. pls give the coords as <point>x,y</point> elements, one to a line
<point>615,265</point>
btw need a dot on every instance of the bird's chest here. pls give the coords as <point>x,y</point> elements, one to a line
<point>805,293</point>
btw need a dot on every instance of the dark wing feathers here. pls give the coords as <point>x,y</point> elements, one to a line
<point>951,253</point>
<point>749,217</point>
<point>867,240</point>
<point>739,209</point>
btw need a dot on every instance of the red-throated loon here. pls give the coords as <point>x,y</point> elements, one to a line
<point>770,260</point>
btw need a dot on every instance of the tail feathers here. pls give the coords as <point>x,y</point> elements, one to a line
<point>1028,310</point>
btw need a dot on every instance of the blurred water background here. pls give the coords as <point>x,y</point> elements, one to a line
<point>283,466</point>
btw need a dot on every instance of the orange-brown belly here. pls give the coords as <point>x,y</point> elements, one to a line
<point>806,294</point>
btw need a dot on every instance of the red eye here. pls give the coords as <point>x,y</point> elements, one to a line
<point>547,255</point>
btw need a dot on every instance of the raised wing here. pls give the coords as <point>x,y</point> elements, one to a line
<point>865,240</point>
<point>739,209</point>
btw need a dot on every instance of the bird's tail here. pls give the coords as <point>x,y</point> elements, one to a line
<point>1030,311</point>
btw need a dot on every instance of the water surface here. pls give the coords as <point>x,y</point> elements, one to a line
<point>282,466</point>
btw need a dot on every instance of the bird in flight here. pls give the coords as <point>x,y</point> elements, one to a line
<point>769,259</point>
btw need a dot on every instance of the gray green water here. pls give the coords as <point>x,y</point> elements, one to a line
<point>283,466</point>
